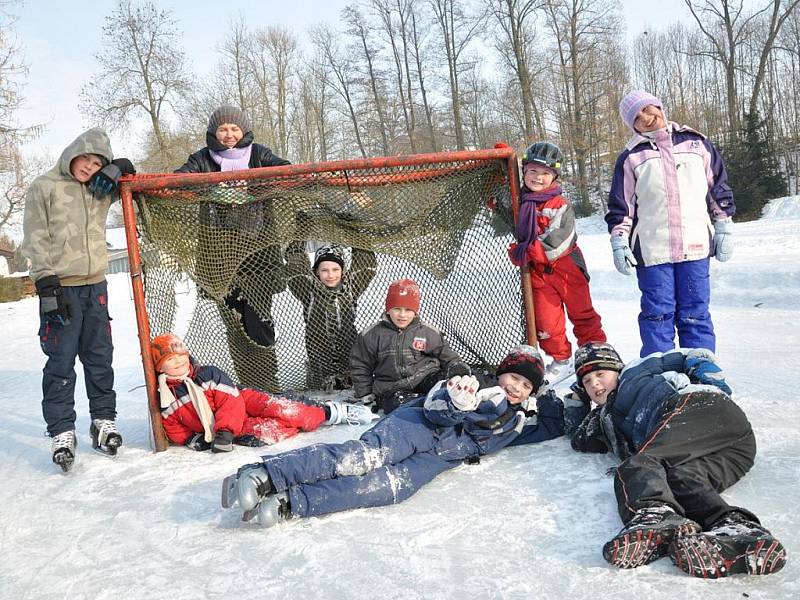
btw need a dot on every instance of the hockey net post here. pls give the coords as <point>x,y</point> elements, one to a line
<point>226,236</point>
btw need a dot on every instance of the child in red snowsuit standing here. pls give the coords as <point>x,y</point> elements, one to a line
<point>203,409</point>
<point>546,236</point>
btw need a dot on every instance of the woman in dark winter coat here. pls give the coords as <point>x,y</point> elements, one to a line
<point>682,440</point>
<point>230,147</point>
<point>404,450</point>
<point>329,296</point>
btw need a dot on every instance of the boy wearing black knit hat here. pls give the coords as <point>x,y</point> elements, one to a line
<point>655,414</point>
<point>329,294</point>
<point>457,422</point>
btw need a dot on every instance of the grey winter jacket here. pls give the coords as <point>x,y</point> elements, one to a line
<point>385,359</point>
<point>64,223</point>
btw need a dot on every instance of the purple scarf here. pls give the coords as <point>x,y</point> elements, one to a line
<point>232,159</point>
<point>526,230</point>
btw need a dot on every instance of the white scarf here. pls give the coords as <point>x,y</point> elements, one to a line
<point>198,397</point>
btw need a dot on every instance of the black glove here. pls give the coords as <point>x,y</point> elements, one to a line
<point>51,300</point>
<point>105,180</point>
<point>458,368</point>
<point>198,443</point>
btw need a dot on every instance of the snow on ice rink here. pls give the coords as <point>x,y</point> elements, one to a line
<point>528,522</point>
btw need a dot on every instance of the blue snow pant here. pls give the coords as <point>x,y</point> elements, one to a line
<point>386,465</point>
<point>702,445</point>
<point>87,335</point>
<point>675,296</point>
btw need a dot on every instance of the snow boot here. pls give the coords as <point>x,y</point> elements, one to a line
<point>349,414</point>
<point>736,543</point>
<point>557,371</point>
<point>248,486</point>
<point>249,440</point>
<point>106,438</point>
<point>270,511</point>
<point>647,536</point>
<point>63,449</point>
<point>223,442</point>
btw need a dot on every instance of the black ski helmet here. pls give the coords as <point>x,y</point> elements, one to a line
<point>544,153</point>
<point>330,252</point>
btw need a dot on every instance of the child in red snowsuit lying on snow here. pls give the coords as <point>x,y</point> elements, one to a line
<point>203,409</point>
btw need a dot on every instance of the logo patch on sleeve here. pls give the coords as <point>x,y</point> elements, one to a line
<point>420,344</point>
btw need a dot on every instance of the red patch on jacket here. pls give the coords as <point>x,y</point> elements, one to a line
<point>420,344</point>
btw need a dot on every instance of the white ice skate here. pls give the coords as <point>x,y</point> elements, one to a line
<point>557,372</point>
<point>351,414</point>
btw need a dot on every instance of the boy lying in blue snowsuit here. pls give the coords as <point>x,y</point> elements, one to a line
<point>405,450</point>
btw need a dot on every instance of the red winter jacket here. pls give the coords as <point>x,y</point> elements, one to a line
<point>240,411</point>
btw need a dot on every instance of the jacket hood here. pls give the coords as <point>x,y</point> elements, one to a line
<point>93,141</point>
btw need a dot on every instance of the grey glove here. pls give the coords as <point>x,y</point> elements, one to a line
<point>623,257</point>
<point>723,240</point>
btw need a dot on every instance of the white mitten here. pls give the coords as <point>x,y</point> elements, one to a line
<point>463,391</point>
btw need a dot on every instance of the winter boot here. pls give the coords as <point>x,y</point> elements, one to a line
<point>557,371</point>
<point>106,438</point>
<point>250,440</point>
<point>63,449</point>
<point>223,442</point>
<point>647,536</point>
<point>248,487</point>
<point>271,510</point>
<point>736,543</point>
<point>350,414</point>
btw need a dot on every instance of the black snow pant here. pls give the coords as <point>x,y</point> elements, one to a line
<point>702,445</point>
<point>87,335</point>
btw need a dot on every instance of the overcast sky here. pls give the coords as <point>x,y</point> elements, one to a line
<point>59,40</point>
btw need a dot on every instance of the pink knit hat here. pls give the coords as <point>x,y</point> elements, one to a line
<point>635,101</point>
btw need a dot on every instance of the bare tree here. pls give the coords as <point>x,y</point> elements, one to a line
<point>457,29</point>
<point>418,49</point>
<point>359,29</point>
<point>142,71</point>
<point>727,28</point>
<point>513,18</point>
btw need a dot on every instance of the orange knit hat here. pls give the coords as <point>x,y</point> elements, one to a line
<point>165,346</point>
<point>403,293</point>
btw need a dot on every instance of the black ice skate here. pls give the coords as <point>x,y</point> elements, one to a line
<point>734,544</point>
<point>106,438</point>
<point>63,449</point>
<point>647,536</point>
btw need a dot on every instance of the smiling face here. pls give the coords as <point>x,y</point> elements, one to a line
<point>84,166</point>
<point>229,134</point>
<point>329,273</point>
<point>599,384</point>
<point>401,317</point>
<point>176,365</point>
<point>649,118</point>
<point>538,177</point>
<point>516,387</point>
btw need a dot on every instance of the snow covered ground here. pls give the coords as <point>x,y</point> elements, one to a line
<point>528,522</point>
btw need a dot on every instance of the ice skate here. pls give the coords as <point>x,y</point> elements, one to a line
<point>270,511</point>
<point>734,544</point>
<point>249,485</point>
<point>106,438</point>
<point>647,536</point>
<point>63,449</point>
<point>351,414</point>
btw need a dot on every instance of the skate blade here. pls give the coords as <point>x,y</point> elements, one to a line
<point>109,451</point>
<point>229,496</point>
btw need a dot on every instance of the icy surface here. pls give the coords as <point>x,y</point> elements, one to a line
<point>528,522</point>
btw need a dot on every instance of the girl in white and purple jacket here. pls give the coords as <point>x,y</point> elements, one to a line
<point>669,211</point>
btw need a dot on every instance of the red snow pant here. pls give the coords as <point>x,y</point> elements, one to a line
<point>564,284</point>
<point>275,418</point>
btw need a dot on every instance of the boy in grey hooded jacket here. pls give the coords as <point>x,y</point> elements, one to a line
<point>64,240</point>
